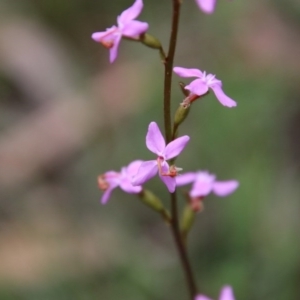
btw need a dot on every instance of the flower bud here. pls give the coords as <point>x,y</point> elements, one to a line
<point>150,41</point>
<point>188,219</point>
<point>180,115</point>
<point>154,43</point>
<point>153,202</point>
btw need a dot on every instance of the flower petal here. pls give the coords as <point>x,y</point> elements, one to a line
<point>224,188</point>
<point>203,184</point>
<point>170,182</point>
<point>184,72</point>
<point>107,35</point>
<point>133,167</point>
<point>97,36</point>
<point>207,6</point>
<point>223,99</point>
<point>174,148</point>
<point>202,297</point>
<point>134,28</point>
<point>131,13</point>
<point>201,189</point>
<point>112,178</point>
<point>127,186</point>
<point>226,293</point>
<point>198,87</point>
<point>154,140</point>
<point>127,175</point>
<point>147,170</point>
<point>186,178</point>
<point>106,195</point>
<point>113,52</point>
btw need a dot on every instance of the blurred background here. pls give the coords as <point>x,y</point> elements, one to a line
<point>67,115</point>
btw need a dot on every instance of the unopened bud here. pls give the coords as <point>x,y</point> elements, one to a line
<point>188,219</point>
<point>153,202</point>
<point>193,206</point>
<point>150,41</point>
<point>153,42</point>
<point>181,114</point>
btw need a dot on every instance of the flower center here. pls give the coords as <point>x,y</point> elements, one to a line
<point>107,40</point>
<point>107,44</point>
<point>172,172</point>
<point>102,183</point>
<point>159,161</point>
<point>209,79</point>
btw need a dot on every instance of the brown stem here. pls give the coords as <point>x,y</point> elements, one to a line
<point>182,249</point>
<point>168,133</point>
<point>168,70</point>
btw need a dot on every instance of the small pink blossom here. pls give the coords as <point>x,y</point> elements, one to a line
<point>226,294</point>
<point>127,27</point>
<point>204,183</point>
<point>112,179</point>
<point>156,144</point>
<point>204,82</point>
<point>207,6</point>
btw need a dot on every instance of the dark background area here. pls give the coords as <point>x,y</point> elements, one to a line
<point>67,115</point>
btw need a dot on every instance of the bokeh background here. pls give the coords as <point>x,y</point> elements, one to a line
<point>67,115</point>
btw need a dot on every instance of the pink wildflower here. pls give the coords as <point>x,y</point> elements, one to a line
<point>127,27</point>
<point>112,179</point>
<point>207,6</point>
<point>205,183</point>
<point>156,144</point>
<point>226,294</point>
<point>203,82</point>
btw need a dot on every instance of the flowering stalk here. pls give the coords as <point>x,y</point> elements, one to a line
<point>168,134</point>
<point>131,178</point>
<point>168,69</point>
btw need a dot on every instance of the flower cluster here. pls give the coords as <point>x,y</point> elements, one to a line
<point>131,178</point>
<point>130,28</point>
<point>204,183</point>
<point>202,84</point>
<point>156,144</point>
<point>127,27</point>
<point>112,179</point>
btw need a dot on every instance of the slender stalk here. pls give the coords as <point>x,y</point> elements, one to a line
<point>168,69</point>
<point>181,248</point>
<point>168,133</point>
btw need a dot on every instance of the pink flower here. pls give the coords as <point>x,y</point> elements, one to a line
<point>207,6</point>
<point>203,82</point>
<point>205,183</point>
<point>226,294</point>
<point>127,27</point>
<point>156,144</point>
<point>112,179</point>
